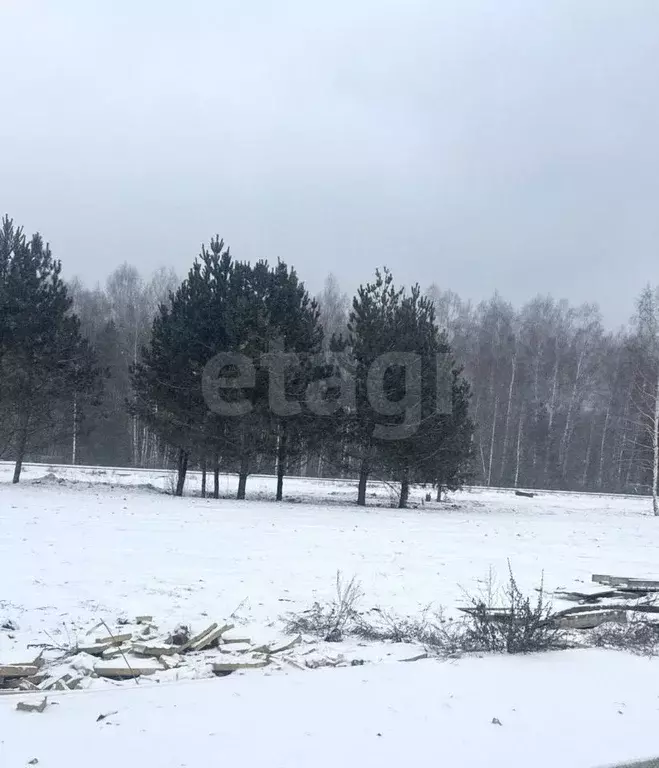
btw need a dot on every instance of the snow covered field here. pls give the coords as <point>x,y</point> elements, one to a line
<point>78,546</point>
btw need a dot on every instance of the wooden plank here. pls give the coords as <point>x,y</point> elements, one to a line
<point>591,620</point>
<point>628,583</point>
<point>617,607</point>
<point>586,597</point>
<point>499,615</point>
<point>15,671</point>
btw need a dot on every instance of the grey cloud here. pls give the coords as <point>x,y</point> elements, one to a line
<point>479,145</point>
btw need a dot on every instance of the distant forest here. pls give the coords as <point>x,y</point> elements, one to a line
<point>556,400</point>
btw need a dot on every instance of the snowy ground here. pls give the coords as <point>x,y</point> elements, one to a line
<point>78,546</point>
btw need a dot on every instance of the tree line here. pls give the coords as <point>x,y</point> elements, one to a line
<point>543,396</point>
<point>360,399</point>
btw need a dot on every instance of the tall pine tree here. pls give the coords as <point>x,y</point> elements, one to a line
<point>47,369</point>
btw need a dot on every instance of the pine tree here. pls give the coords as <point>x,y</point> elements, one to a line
<point>167,381</point>
<point>297,337</point>
<point>435,429</point>
<point>47,369</point>
<point>371,334</point>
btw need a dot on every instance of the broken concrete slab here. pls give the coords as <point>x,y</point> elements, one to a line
<point>12,671</point>
<point>115,639</point>
<point>209,638</point>
<point>126,672</point>
<point>196,638</point>
<point>156,651</point>
<point>26,706</point>
<point>220,667</point>
<point>97,649</point>
<point>235,648</point>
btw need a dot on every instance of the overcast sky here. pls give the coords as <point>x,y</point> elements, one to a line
<point>478,144</point>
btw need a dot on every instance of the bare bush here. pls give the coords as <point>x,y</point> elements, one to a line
<point>170,484</point>
<point>329,621</point>
<point>383,626</point>
<point>516,625</point>
<point>439,635</point>
<point>508,622</point>
<point>639,635</point>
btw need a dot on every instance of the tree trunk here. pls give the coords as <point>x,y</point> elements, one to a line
<point>439,491</point>
<point>584,477</point>
<point>504,449</point>
<point>203,479</point>
<point>282,450</point>
<point>519,445</point>
<point>216,477</point>
<point>144,451</point>
<point>242,478</point>
<point>655,450</point>
<point>182,470</point>
<point>482,454</point>
<point>134,424</point>
<point>551,409</point>
<point>21,447</point>
<point>600,473</point>
<point>134,441</point>
<point>74,446</point>
<point>494,426</point>
<point>567,432</point>
<point>404,490</point>
<point>364,471</point>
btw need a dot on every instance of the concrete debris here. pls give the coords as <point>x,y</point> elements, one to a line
<point>115,639</point>
<point>150,649</point>
<point>13,671</point>
<point>179,636</point>
<point>125,671</point>
<point>9,626</point>
<point>220,667</point>
<point>26,706</point>
<point>197,638</point>
<point>269,650</point>
<point>209,639</point>
<point>131,654</point>
<point>236,640</point>
<point>97,649</point>
<point>235,647</point>
<point>102,716</point>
